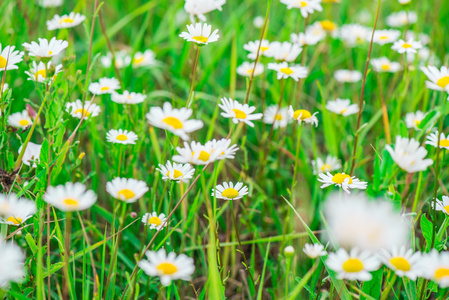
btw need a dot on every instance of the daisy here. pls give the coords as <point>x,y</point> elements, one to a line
<point>239,112</point>
<point>409,46</point>
<point>154,220</point>
<point>45,48</point>
<point>49,3</point>
<point>312,36</point>
<point>258,21</point>
<point>328,26</point>
<point>246,69</point>
<point>424,56</point>
<point>403,261</point>
<point>199,8</point>
<point>306,7</point>
<point>438,79</point>
<point>121,136</point>
<point>354,34</point>
<point>302,115</point>
<point>409,155</point>
<point>223,148</point>
<point>386,36</point>
<point>228,191</point>
<point>104,86</point>
<point>355,265</point>
<point>279,117</point>
<point>344,76</point>
<point>435,266</point>
<point>31,154</point>
<point>289,251</point>
<point>412,120</point>
<point>126,189</point>
<point>441,205</point>
<point>432,139</point>
<point>200,34</point>
<point>314,250</point>
<point>286,71</point>
<point>70,197</point>
<point>77,109</point>
<point>196,154</point>
<point>402,18</point>
<point>20,120</point>
<point>177,172</point>
<point>403,2</point>
<point>20,210</point>
<point>342,107</point>
<point>174,120</point>
<point>424,38</point>
<point>121,59</point>
<point>285,51</point>
<point>9,57</point>
<point>38,72</point>
<point>167,267</point>
<point>128,98</point>
<point>253,46</point>
<point>342,180</point>
<point>145,59</point>
<point>12,260</point>
<point>331,164</point>
<point>383,64</point>
<point>65,21</point>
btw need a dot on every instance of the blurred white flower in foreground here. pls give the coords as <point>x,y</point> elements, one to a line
<point>331,164</point>
<point>199,8</point>
<point>32,153</point>
<point>306,7</point>
<point>12,260</point>
<point>314,250</point>
<point>347,76</point>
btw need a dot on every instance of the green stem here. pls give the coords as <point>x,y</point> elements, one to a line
<point>192,82</point>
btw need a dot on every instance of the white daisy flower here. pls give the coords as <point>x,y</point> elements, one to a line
<point>12,260</point>
<point>247,68</point>
<point>403,2</point>
<point>104,86</point>
<point>286,71</point>
<point>77,109</point>
<point>121,136</point>
<point>279,117</point>
<point>31,154</point>
<point>302,115</point>
<point>441,205</point>
<point>424,38</point>
<point>196,154</point>
<point>177,172</point>
<point>154,220</point>
<point>285,51</point>
<point>145,59</point>
<point>344,76</point>
<point>412,120</point>
<point>38,72</point>
<point>409,155</point>
<point>46,48</point>
<point>223,148</point>
<point>403,261</point>
<point>15,210</point>
<point>200,34</point>
<point>239,112</point>
<point>423,56</point>
<point>402,18</point>
<point>167,267</point>
<point>354,34</point>
<point>20,120</point>
<point>383,64</point>
<point>199,8</point>
<point>432,139</point>
<point>409,46</point>
<point>4,88</point>
<point>9,57</point>
<point>253,46</point>
<point>65,21</point>
<point>302,39</point>
<point>331,164</point>
<point>342,107</point>
<point>128,98</point>
<point>70,197</point>
<point>435,266</point>
<point>126,189</point>
<point>121,58</point>
<point>438,79</point>
<point>314,250</point>
<point>355,265</point>
<point>306,7</point>
<point>386,36</point>
<point>228,191</point>
<point>49,3</point>
<point>342,180</point>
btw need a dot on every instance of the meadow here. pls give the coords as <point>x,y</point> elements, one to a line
<point>224,149</point>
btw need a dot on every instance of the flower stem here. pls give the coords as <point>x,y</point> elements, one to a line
<point>192,82</point>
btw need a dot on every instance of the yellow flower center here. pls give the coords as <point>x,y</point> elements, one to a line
<point>137,61</point>
<point>326,167</point>
<point>82,111</point>
<point>167,268</point>
<point>204,156</point>
<point>328,25</point>
<point>230,193</point>
<point>287,71</point>
<point>384,37</point>
<point>41,73</point>
<point>24,122</point>
<point>343,111</point>
<point>66,20</point>
<point>353,265</point>
<point>440,273</point>
<point>406,45</point>
<point>442,82</point>
<point>176,174</point>
<point>201,39</point>
<point>105,88</point>
<point>50,52</point>
<point>70,202</point>
<point>303,3</point>
<point>305,114</point>
<point>340,178</point>
<point>154,220</point>
<point>263,49</point>
<point>173,122</point>
<point>250,71</point>
<point>417,122</point>
<point>239,114</point>
<point>385,67</point>
<point>121,137</point>
<point>278,117</point>
<point>2,62</point>
<point>14,220</point>
<point>444,143</point>
<point>446,208</point>
<point>400,263</point>
<point>128,194</point>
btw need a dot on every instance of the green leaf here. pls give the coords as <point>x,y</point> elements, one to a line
<point>427,230</point>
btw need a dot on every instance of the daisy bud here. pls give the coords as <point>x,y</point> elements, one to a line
<point>67,61</point>
<point>51,71</point>
<point>31,112</point>
<point>133,214</point>
<point>289,252</point>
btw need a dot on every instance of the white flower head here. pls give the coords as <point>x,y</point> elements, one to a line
<point>229,191</point>
<point>128,190</point>
<point>14,210</point>
<point>409,155</point>
<point>121,136</point>
<point>409,46</point>
<point>314,250</point>
<point>46,48</point>
<point>342,180</point>
<point>70,197</point>
<point>386,36</point>
<point>121,58</point>
<point>176,172</point>
<point>383,64</point>
<point>438,79</point>
<point>435,266</point>
<point>154,220</point>
<point>77,109</point>
<point>20,120</point>
<point>285,51</point>
<point>402,18</point>
<point>196,154</point>
<point>200,34</point>
<point>247,68</point>
<point>432,139</point>
<point>342,107</point>
<point>104,86</point>
<point>302,115</point>
<point>264,48</point>
<point>306,7</point>
<point>355,265</point>
<point>344,76</point>
<point>49,3</point>
<point>199,8</point>
<point>354,34</point>
<point>412,120</point>
<point>285,71</point>
<point>330,164</point>
<point>65,21</point>
<point>38,72</point>
<point>145,59</point>
<point>239,112</point>
<point>276,116</point>
<point>32,153</point>
<point>128,98</point>
<point>223,148</point>
<point>258,21</point>
<point>9,58</point>
<point>12,260</point>
<point>441,205</point>
<point>403,261</point>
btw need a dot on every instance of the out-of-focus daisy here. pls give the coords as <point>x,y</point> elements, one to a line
<point>403,2</point>
<point>342,180</point>
<point>173,119</point>
<point>302,115</point>
<point>15,210</point>
<point>121,136</point>
<point>383,64</point>
<point>167,267</point>
<point>65,21</point>
<point>238,112</point>
<point>438,79</point>
<point>258,21</point>
<point>402,261</point>
<point>229,191</point>
<point>441,205</point>
<point>32,153</point>
<point>126,189</point>
<point>177,172</point>
<point>12,260</point>
<point>279,117</point>
<point>9,58</point>
<point>422,37</point>
<point>354,34</point>
<point>331,164</point>
<point>409,46</point>
<point>386,36</point>
<point>328,26</point>
<point>49,3</point>
<point>402,18</point>
<point>312,36</point>
<point>314,250</point>
<point>121,58</point>
<point>432,139</point>
<point>38,72</point>
<point>412,120</point>
<point>154,220</point>
<point>285,51</point>
<point>200,34</point>
<point>77,109</point>
<point>20,119</point>
<point>223,148</point>
<point>347,76</point>
<point>128,98</point>
<point>435,266</point>
<point>409,155</point>
<point>289,251</point>
<point>342,107</point>
<point>70,197</point>
<point>196,154</point>
<point>104,86</point>
<point>145,59</point>
<point>253,46</point>
<point>285,71</point>
<point>355,265</point>
<point>199,8</point>
<point>424,56</point>
<point>46,48</point>
<point>247,68</point>
<point>4,88</point>
<point>306,7</point>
